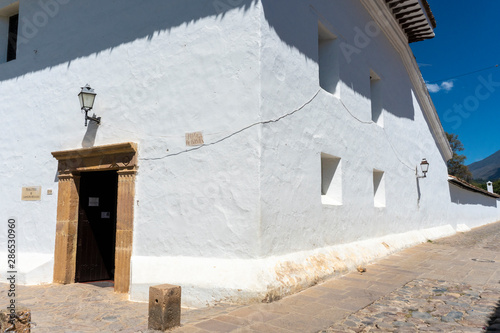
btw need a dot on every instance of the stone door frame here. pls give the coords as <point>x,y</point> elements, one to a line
<point>121,157</point>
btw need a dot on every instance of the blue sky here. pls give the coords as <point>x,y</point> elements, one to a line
<point>467,39</point>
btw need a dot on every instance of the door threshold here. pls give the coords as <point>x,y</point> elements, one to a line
<point>101,283</point>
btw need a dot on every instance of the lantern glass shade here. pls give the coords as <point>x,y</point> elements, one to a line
<point>87,97</point>
<point>425,166</point>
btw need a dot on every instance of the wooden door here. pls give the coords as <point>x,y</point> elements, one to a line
<point>95,254</point>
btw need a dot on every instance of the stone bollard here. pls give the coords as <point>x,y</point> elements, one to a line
<point>164,307</point>
<point>21,324</point>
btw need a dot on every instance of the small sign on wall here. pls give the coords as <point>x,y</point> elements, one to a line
<point>194,139</point>
<point>32,193</point>
<point>93,202</point>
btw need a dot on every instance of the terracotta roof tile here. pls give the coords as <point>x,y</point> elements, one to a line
<point>462,183</point>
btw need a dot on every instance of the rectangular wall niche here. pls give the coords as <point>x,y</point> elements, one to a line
<point>376,98</point>
<point>9,19</point>
<point>331,180</point>
<point>328,54</point>
<point>378,188</point>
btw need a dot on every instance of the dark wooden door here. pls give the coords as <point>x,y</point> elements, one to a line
<point>95,254</point>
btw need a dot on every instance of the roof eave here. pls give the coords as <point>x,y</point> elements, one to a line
<point>406,12</point>
<point>465,185</point>
<point>383,16</point>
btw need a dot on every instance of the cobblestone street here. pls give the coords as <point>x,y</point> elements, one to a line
<point>424,305</point>
<point>449,285</point>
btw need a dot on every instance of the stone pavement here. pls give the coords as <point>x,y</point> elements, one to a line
<point>449,285</point>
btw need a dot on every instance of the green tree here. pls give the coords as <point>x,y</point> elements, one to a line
<point>456,166</point>
<point>496,186</point>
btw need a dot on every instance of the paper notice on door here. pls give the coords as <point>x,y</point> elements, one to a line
<point>93,202</point>
<point>105,215</point>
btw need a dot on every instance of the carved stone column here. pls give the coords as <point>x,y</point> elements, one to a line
<point>66,228</point>
<point>124,229</point>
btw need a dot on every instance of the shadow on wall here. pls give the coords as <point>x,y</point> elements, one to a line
<point>90,135</point>
<point>358,47</point>
<point>461,196</point>
<point>56,32</point>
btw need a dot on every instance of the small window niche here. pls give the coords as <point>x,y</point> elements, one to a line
<point>328,64</point>
<point>378,188</point>
<point>376,98</point>
<point>12,39</point>
<point>9,23</point>
<point>331,180</point>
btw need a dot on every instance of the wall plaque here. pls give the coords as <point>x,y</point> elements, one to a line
<point>194,139</point>
<point>32,193</point>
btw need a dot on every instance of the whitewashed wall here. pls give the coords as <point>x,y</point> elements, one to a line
<point>291,169</point>
<point>471,208</point>
<point>161,69</point>
<point>242,218</point>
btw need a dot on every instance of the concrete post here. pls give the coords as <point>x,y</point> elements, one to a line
<point>164,307</point>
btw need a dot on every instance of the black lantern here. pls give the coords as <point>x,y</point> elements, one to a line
<point>87,98</point>
<point>424,166</point>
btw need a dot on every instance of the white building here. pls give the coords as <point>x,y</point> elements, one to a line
<point>314,119</point>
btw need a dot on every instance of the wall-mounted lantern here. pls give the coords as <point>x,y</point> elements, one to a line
<point>424,166</point>
<point>87,98</point>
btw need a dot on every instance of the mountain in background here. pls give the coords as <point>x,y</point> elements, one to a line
<point>487,169</point>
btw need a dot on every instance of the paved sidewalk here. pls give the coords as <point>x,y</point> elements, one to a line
<point>450,285</point>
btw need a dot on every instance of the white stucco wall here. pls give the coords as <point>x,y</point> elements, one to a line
<point>241,218</point>
<point>471,208</point>
<point>294,217</point>
<point>160,70</point>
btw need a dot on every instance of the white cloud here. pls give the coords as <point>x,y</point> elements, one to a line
<point>434,87</point>
<point>447,85</point>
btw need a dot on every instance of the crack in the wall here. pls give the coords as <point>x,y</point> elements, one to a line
<point>235,133</point>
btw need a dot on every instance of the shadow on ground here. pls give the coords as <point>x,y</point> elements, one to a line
<point>494,321</point>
